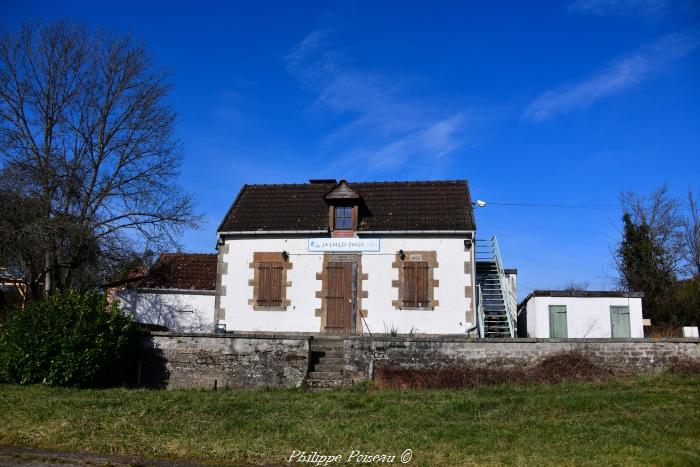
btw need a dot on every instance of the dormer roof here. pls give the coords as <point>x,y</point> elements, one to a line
<point>342,191</point>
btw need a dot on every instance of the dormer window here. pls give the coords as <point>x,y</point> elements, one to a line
<point>343,218</point>
<point>343,210</point>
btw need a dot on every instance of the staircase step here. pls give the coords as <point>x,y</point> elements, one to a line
<point>324,375</point>
<point>331,353</point>
<point>320,385</point>
<point>326,360</point>
<point>325,368</point>
<point>326,344</point>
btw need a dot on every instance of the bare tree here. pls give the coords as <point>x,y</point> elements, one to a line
<point>662,215</point>
<point>691,236</point>
<point>87,135</point>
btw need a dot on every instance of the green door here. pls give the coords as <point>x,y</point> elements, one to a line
<point>557,321</point>
<point>620,321</point>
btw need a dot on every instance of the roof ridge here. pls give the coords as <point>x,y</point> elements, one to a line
<point>399,182</point>
<point>382,182</point>
<point>173,253</point>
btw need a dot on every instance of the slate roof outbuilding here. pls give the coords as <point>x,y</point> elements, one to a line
<point>384,206</point>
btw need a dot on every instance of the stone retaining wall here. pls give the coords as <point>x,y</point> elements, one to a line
<point>623,355</point>
<point>203,360</point>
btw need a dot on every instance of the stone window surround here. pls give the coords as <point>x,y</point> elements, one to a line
<point>269,257</point>
<point>329,257</point>
<point>431,258</point>
<point>469,290</point>
<point>221,269</point>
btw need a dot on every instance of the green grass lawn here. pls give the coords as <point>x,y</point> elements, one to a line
<point>647,420</point>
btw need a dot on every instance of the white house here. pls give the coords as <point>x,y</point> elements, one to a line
<point>339,257</point>
<point>176,293</point>
<point>581,314</point>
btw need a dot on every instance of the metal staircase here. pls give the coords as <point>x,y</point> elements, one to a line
<point>496,304</point>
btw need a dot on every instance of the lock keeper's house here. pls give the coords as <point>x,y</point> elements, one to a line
<point>351,258</point>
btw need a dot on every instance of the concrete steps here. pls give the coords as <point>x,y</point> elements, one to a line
<point>327,362</point>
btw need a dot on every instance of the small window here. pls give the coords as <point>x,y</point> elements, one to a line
<point>415,284</point>
<point>269,285</point>
<point>343,217</point>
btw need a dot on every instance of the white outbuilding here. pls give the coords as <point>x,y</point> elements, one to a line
<point>177,293</point>
<point>581,314</point>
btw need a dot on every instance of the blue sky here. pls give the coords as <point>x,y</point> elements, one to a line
<point>566,102</point>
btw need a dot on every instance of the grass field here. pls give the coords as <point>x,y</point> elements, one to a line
<point>647,420</point>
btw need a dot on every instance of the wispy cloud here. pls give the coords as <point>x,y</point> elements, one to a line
<point>621,76</point>
<point>387,123</point>
<point>648,8</point>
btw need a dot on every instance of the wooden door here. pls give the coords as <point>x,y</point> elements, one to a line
<point>340,298</point>
<point>620,321</point>
<point>557,321</point>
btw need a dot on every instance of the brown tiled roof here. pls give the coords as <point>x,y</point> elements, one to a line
<point>384,206</point>
<point>185,271</point>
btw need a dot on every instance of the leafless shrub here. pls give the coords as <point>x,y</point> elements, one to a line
<point>683,366</point>
<point>565,366</point>
<point>573,286</point>
<point>661,331</point>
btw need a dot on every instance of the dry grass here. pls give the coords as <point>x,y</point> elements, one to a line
<point>662,331</point>
<point>565,366</point>
<point>683,366</point>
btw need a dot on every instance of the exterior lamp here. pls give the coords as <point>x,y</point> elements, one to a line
<point>285,256</point>
<point>402,255</point>
<point>468,243</point>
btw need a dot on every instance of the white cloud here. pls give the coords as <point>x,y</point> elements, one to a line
<point>621,76</point>
<point>387,125</point>
<point>649,8</point>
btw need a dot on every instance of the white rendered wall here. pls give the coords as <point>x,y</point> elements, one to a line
<point>586,317</point>
<point>178,312</point>
<point>447,318</point>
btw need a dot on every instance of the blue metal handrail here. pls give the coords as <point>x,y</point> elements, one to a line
<point>480,311</point>
<point>508,298</point>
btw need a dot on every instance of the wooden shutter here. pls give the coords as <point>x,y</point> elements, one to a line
<point>620,321</point>
<point>415,284</point>
<point>269,284</point>
<point>557,321</point>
